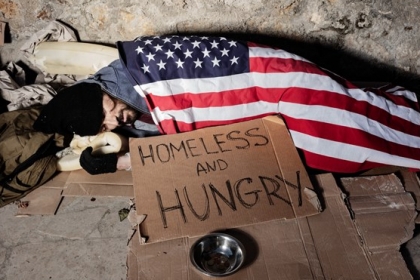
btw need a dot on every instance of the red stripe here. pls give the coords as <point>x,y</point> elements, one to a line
<point>340,80</point>
<point>289,65</point>
<point>252,44</point>
<point>172,126</point>
<point>350,136</point>
<point>282,65</point>
<point>312,160</point>
<point>343,102</point>
<point>386,87</point>
<point>217,99</point>
<point>400,100</point>
<point>293,95</point>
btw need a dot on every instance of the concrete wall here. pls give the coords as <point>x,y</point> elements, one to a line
<point>360,39</point>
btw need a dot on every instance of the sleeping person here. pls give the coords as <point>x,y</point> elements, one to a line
<point>173,84</point>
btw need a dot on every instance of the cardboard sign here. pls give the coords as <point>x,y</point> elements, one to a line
<point>217,178</point>
<point>362,242</point>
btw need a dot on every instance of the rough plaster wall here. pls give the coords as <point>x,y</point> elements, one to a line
<point>360,39</point>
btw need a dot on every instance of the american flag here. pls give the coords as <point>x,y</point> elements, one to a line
<point>193,82</point>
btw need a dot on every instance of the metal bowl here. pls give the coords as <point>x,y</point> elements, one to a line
<point>217,254</point>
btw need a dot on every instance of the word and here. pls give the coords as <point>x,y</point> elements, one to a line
<point>207,167</point>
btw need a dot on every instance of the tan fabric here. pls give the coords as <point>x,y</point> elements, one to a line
<point>18,142</point>
<point>55,31</point>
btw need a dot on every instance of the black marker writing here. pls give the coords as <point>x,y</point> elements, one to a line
<point>245,192</point>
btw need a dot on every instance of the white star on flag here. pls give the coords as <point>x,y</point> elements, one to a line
<point>161,65</point>
<point>234,60</point>
<point>188,53</point>
<point>169,54</point>
<point>177,45</point>
<point>150,56</point>
<point>139,50</point>
<point>198,63</point>
<point>225,52</point>
<point>215,62</point>
<point>158,47</point>
<point>214,44</point>
<point>196,44</point>
<point>145,68</point>
<point>232,43</point>
<point>179,63</point>
<point>206,53</point>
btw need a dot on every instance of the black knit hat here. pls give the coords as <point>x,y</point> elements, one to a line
<point>77,109</point>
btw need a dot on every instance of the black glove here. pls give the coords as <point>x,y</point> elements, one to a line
<point>98,164</point>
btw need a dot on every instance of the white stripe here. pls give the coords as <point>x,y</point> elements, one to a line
<point>308,112</point>
<point>269,52</point>
<point>275,80</point>
<point>395,88</point>
<point>406,93</point>
<point>348,119</point>
<point>400,91</point>
<point>229,113</point>
<point>241,81</point>
<point>140,91</point>
<point>348,152</point>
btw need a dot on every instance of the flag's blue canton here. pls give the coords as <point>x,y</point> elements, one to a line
<point>173,57</point>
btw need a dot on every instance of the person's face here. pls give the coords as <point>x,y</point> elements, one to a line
<point>116,113</point>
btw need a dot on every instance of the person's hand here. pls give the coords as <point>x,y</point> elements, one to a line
<point>98,164</point>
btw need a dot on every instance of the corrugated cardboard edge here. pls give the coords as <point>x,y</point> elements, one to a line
<point>409,179</point>
<point>336,238</point>
<point>310,194</point>
<point>411,184</point>
<point>380,238</point>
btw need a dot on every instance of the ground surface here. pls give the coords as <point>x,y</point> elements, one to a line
<point>84,240</point>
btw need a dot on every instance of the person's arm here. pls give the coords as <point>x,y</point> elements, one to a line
<point>102,153</point>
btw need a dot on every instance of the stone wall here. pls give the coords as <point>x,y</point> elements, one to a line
<point>360,39</point>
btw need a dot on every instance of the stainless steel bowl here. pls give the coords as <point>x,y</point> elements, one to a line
<point>217,254</point>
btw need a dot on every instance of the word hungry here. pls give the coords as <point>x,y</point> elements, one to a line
<point>268,187</point>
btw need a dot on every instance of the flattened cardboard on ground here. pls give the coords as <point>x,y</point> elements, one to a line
<point>329,245</point>
<point>374,196</point>
<point>384,215</point>
<point>81,183</point>
<point>408,177</point>
<point>411,183</point>
<point>42,201</point>
<point>46,199</point>
<point>220,177</point>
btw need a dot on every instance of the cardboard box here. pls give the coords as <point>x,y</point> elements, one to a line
<point>356,236</point>
<point>220,177</point>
